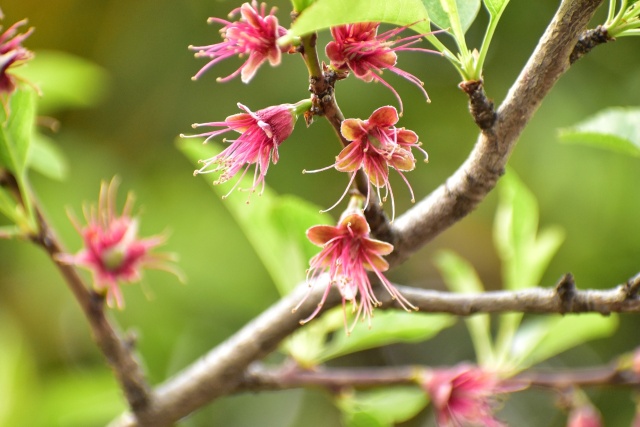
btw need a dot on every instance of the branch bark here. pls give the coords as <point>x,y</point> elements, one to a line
<point>479,174</point>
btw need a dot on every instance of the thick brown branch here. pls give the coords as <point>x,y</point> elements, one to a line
<point>478,175</point>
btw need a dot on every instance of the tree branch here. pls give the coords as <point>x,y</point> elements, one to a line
<point>117,351</point>
<point>478,175</point>
<point>259,377</point>
<point>222,369</point>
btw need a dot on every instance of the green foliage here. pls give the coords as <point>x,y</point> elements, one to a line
<point>615,129</point>
<point>387,327</point>
<point>300,5</point>
<point>450,13</point>
<point>542,338</point>
<point>525,253</point>
<point>382,407</point>
<point>16,128</point>
<point>496,7</point>
<point>274,225</point>
<point>46,158</point>
<point>66,81</point>
<point>323,14</point>
<point>460,277</point>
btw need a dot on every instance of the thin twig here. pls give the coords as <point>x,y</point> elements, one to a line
<point>117,351</point>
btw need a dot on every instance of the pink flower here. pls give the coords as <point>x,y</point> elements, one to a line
<point>254,34</point>
<point>584,416</point>
<point>347,254</point>
<point>465,395</point>
<point>112,250</point>
<point>376,145</point>
<point>260,135</point>
<point>12,54</point>
<point>358,47</point>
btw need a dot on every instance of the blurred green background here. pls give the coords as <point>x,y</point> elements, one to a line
<point>51,374</point>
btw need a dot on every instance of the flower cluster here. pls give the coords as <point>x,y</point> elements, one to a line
<point>12,54</point>
<point>348,252</point>
<point>466,395</point>
<point>112,250</point>
<point>254,34</point>
<point>373,146</point>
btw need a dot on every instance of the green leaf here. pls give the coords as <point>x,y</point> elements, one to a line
<point>382,407</point>
<point>496,7</point>
<point>66,81</point>
<point>467,12</point>
<point>274,225</point>
<point>387,327</point>
<point>9,232</point>
<point>8,205</point>
<point>300,5</point>
<point>46,158</point>
<point>16,129</point>
<point>540,339</point>
<point>460,276</point>
<point>329,13</point>
<point>524,253</point>
<point>615,129</point>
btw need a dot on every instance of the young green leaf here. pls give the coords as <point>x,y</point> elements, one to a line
<point>46,158</point>
<point>524,253</point>
<point>459,276</point>
<point>387,327</point>
<point>300,5</point>
<point>323,14</point>
<point>382,407</point>
<point>467,11</point>
<point>307,343</point>
<point>16,126</point>
<point>540,339</point>
<point>495,7</point>
<point>274,225</point>
<point>66,81</point>
<point>8,206</point>
<point>614,129</point>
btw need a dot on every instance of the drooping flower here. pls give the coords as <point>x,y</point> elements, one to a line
<point>585,415</point>
<point>261,133</point>
<point>377,145</point>
<point>466,395</point>
<point>347,254</point>
<point>359,48</point>
<point>12,55</point>
<point>255,34</point>
<point>112,250</point>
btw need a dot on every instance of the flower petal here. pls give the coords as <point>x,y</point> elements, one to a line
<point>353,129</point>
<point>319,235</point>
<point>350,158</point>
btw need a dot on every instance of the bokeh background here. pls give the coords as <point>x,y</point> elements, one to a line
<point>51,374</point>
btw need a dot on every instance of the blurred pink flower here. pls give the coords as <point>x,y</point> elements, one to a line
<point>466,395</point>
<point>112,250</point>
<point>377,145</point>
<point>347,254</point>
<point>254,34</point>
<point>260,135</point>
<point>359,48</point>
<point>585,415</point>
<point>12,54</point>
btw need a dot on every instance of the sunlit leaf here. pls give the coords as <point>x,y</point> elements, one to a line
<point>328,13</point>
<point>16,129</point>
<point>387,327</point>
<point>540,339</point>
<point>66,81</point>
<point>460,276</point>
<point>524,253</point>
<point>496,7</point>
<point>46,158</point>
<point>307,344</point>
<point>467,11</point>
<point>274,225</point>
<point>614,129</point>
<point>300,5</point>
<point>382,407</point>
